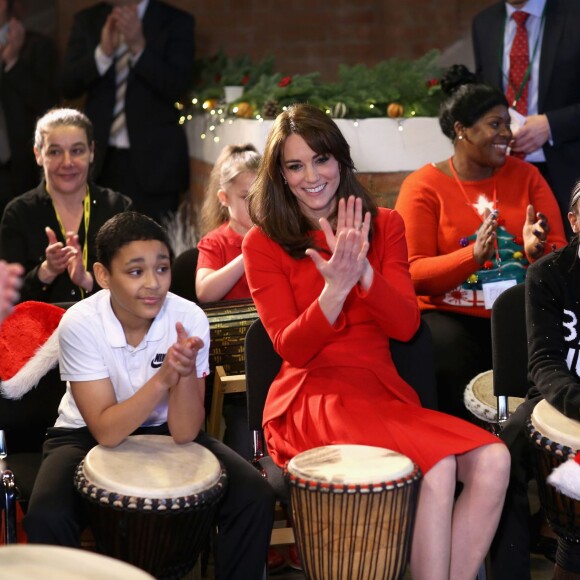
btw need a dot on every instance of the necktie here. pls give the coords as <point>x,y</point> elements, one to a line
<point>519,62</point>
<point>122,73</point>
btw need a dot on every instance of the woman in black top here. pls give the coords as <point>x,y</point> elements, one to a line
<point>50,230</point>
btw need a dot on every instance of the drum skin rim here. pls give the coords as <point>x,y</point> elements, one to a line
<point>196,501</point>
<point>347,465</point>
<point>556,435</point>
<point>152,466</point>
<point>328,487</point>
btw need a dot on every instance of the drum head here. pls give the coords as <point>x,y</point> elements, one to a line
<point>350,465</point>
<point>152,466</point>
<point>480,400</point>
<point>30,562</point>
<point>556,426</point>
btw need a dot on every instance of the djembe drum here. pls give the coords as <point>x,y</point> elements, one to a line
<point>228,322</point>
<point>554,438</point>
<point>151,502</point>
<point>353,508</point>
<point>480,401</point>
<point>31,562</point>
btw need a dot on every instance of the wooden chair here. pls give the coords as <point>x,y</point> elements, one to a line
<point>228,322</point>
<point>223,384</point>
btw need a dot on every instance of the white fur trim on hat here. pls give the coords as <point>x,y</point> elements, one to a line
<point>44,359</point>
<point>566,478</point>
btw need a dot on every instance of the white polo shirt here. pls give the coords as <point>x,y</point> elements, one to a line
<point>93,346</point>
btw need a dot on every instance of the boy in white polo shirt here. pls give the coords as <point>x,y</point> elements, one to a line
<point>135,358</point>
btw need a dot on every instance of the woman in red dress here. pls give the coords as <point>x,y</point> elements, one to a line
<point>329,275</point>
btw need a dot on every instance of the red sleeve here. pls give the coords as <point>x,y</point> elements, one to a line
<point>211,253</point>
<point>432,274</point>
<point>391,298</point>
<point>297,337</point>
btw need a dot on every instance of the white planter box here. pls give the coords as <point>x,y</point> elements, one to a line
<point>377,145</point>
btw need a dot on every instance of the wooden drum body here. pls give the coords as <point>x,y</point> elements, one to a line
<point>480,401</point>
<point>554,439</point>
<point>151,502</point>
<point>228,322</point>
<point>353,508</point>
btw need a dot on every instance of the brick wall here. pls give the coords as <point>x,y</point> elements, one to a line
<point>317,35</point>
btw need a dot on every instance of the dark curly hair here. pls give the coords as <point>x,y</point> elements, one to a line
<point>467,99</point>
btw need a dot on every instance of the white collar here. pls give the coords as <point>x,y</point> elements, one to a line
<point>533,7</point>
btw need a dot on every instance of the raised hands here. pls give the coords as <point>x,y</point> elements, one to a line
<point>348,264</point>
<point>484,247</point>
<point>61,257</point>
<point>535,233</point>
<point>129,25</point>
<point>122,25</point>
<point>57,258</point>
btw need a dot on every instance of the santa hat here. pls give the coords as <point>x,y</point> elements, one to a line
<point>566,477</point>
<point>28,346</point>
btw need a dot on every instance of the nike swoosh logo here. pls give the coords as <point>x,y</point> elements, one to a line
<point>155,365</point>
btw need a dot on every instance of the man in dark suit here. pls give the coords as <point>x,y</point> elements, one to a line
<point>141,150</point>
<point>27,81</point>
<point>550,136</point>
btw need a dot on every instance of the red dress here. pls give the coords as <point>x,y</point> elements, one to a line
<point>338,383</point>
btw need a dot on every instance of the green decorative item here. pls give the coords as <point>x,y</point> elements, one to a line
<point>406,88</point>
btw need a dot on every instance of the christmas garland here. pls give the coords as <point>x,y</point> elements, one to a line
<point>393,87</point>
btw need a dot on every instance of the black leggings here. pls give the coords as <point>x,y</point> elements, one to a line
<point>461,350</point>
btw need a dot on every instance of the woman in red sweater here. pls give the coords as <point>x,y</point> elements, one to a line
<point>474,223</point>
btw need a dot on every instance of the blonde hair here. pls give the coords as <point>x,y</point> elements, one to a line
<point>233,160</point>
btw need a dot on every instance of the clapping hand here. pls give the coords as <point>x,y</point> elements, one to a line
<point>535,233</point>
<point>75,266</point>
<point>484,246</point>
<point>129,26</point>
<point>57,257</point>
<point>181,357</point>
<point>349,246</point>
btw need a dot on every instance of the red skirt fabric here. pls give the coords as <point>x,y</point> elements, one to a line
<point>328,410</point>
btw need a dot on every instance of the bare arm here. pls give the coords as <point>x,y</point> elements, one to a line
<point>186,411</point>
<point>212,285</point>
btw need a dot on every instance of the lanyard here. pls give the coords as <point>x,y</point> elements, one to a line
<point>470,204</point>
<point>86,219</point>
<point>518,93</point>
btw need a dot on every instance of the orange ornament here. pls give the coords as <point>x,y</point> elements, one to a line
<point>210,104</point>
<point>395,110</point>
<point>244,110</point>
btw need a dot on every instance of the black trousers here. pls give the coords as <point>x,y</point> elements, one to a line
<point>461,350</point>
<point>510,550</point>
<point>56,513</point>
